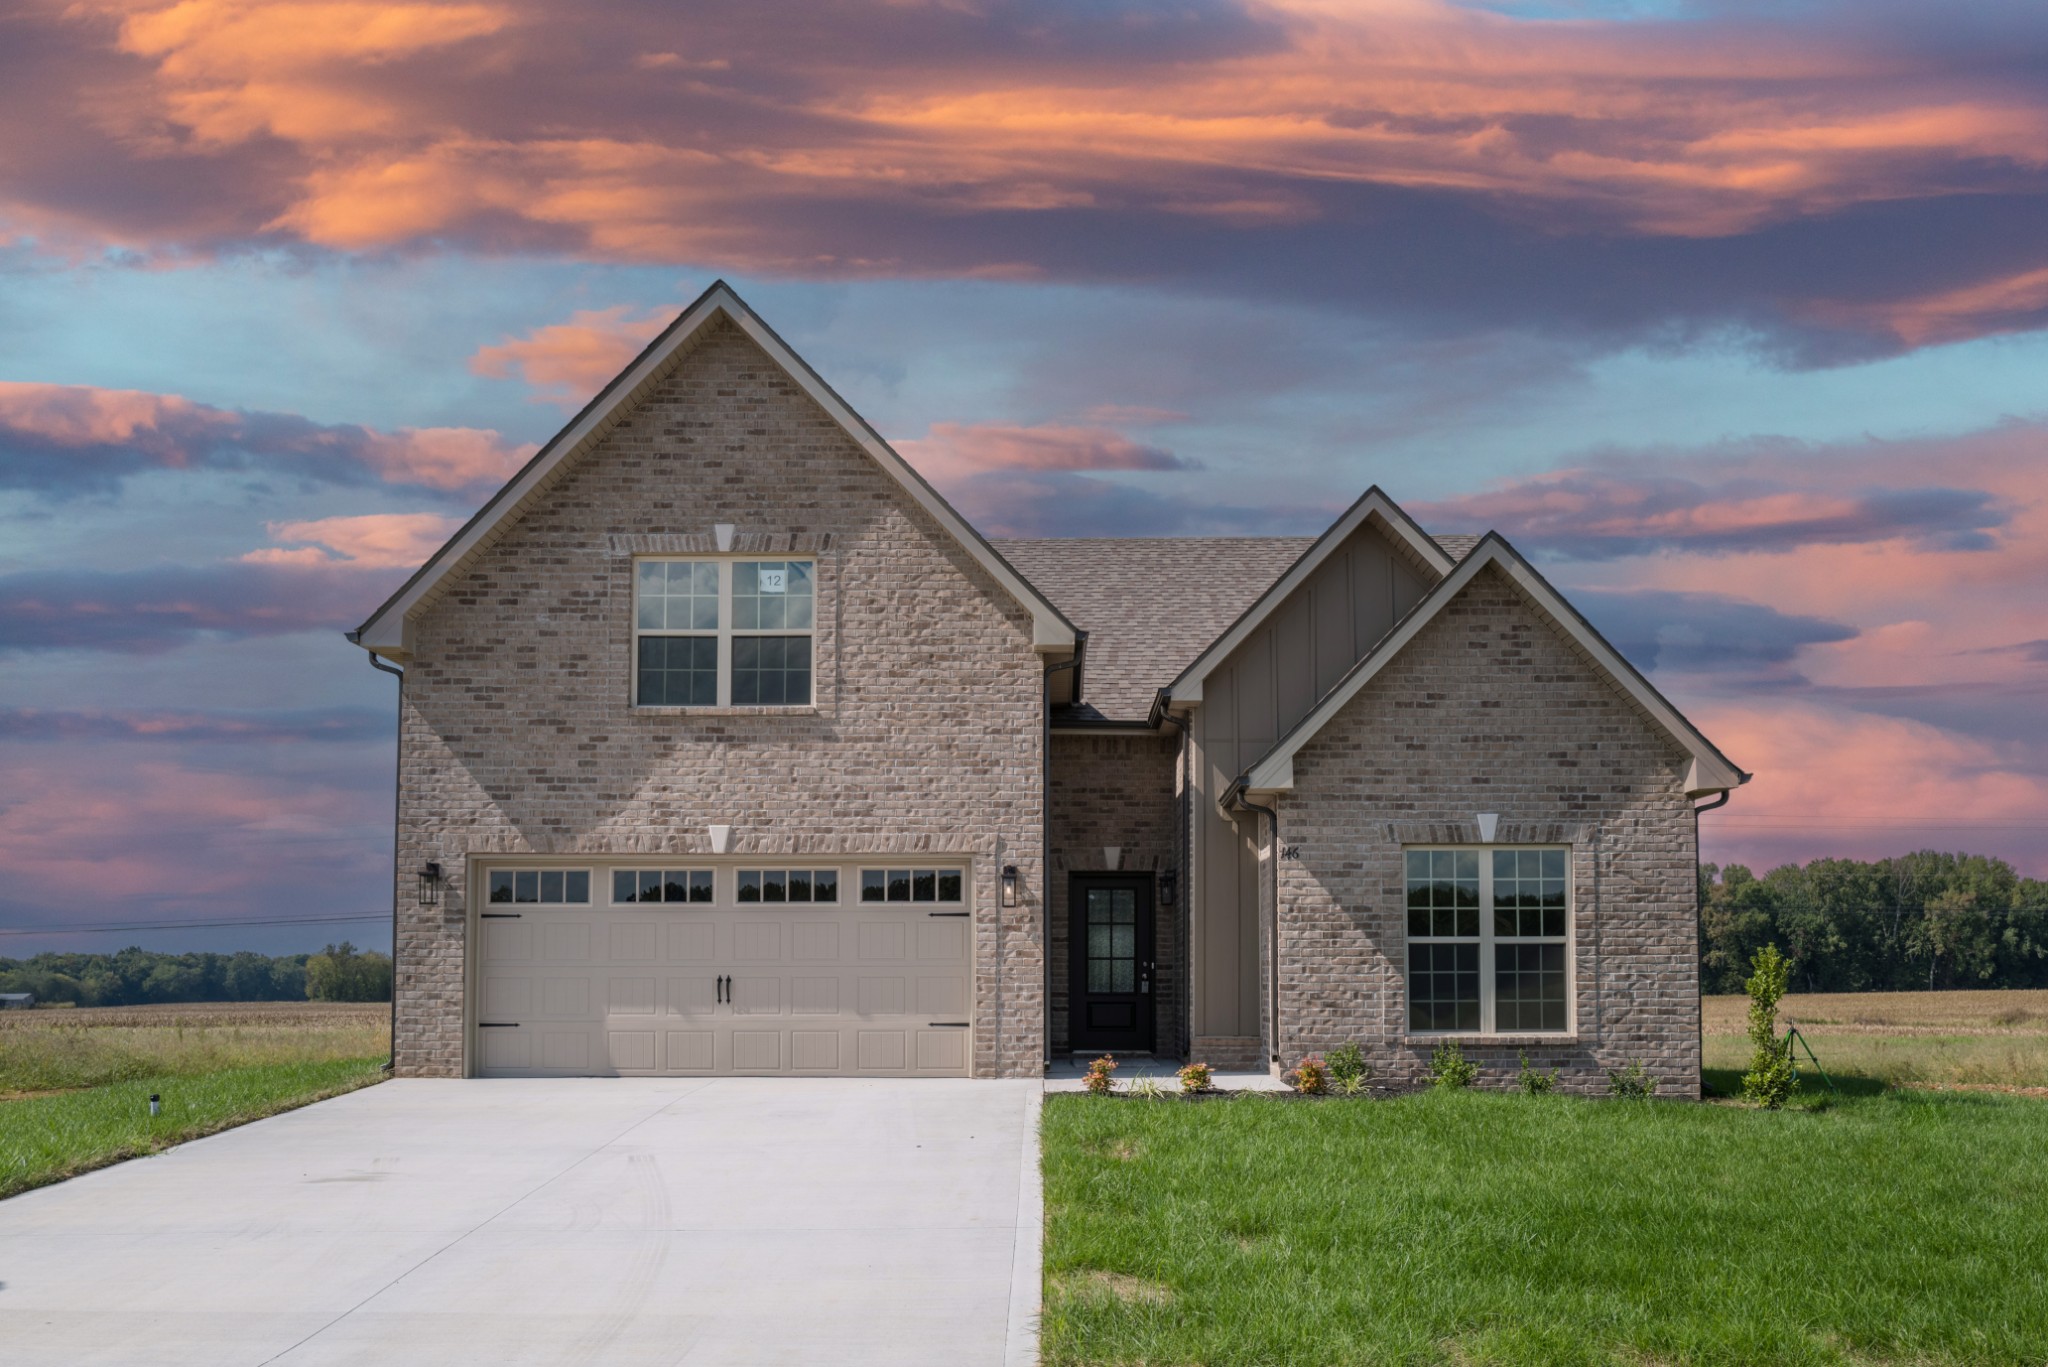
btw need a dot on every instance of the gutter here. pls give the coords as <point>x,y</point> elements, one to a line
<point>1072,662</point>
<point>1184,855</point>
<point>391,1064</point>
<point>1699,907</point>
<point>1234,799</point>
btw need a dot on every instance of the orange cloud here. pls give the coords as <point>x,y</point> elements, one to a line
<point>444,457</point>
<point>373,541</point>
<point>952,452</point>
<point>2006,303</point>
<point>566,363</point>
<point>1683,128</point>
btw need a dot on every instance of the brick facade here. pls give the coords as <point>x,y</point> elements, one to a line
<point>519,734</point>
<point>1491,709</point>
<point>1118,790</point>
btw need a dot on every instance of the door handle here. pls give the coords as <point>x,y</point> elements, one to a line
<point>721,987</point>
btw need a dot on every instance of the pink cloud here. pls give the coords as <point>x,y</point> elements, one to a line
<point>63,439</point>
<point>951,452</point>
<point>843,141</point>
<point>377,540</point>
<point>163,833</point>
<point>567,363</point>
<point>1834,781</point>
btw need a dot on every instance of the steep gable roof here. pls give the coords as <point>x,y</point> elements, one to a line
<point>385,631</point>
<point>1711,771</point>
<point>1372,507</point>
<point>1148,604</point>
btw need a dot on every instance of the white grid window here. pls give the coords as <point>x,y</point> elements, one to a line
<point>1489,941</point>
<point>912,885</point>
<point>568,886</point>
<point>723,633</point>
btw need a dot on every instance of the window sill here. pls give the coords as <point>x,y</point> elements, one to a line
<point>1455,1038</point>
<point>806,710</point>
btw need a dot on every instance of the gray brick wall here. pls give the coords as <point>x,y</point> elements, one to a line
<point>1117,790</point>
<point>1491,709</point>
<point>519,735</point>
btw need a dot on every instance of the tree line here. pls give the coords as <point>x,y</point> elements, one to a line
<point>1913,923</point>
<point>139,977</point>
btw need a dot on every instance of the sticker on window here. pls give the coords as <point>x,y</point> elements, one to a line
<point>773,580</point>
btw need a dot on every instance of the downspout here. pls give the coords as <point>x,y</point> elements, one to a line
<point>1699,913</point>
<point>397,758</point>
<point>1183,856</point>
<point>1236,798</point>
<point>1044,861</point>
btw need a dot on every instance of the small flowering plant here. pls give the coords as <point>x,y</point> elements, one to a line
<point>1194,1078</point>
<point>1311,1077</point>
<point>1100,1079</point>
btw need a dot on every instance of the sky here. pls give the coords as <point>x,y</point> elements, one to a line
<point>1732,316</point>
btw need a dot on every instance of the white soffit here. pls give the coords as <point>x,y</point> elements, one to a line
<point>385,631</point>
<point>1373,506</point>
<point>1709,772</point>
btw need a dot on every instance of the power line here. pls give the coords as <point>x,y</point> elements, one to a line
<point>191,925</point>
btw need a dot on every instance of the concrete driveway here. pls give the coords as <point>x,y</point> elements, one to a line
<point>619,1220</point>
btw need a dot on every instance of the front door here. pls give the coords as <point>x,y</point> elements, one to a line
<point>1110,999</point>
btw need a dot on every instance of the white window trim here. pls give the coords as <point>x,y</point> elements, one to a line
<point>726,631</point>
<point>1486,944</point>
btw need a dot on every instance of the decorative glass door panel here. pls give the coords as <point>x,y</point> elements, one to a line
<point>1110,1001</point>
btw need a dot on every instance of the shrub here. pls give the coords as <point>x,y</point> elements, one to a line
<point>1771,1077</point>
<point>1635,1082</point>
<point>1534,1081</point>
<point>1311,1078</point>
<point>1448,1067</point>
<point>1098,1079</point>
<point>1146,1088</point>
<point>1348,1068</point>
<point>1194,1078</point>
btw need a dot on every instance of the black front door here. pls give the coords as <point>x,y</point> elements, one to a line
<point>1110,947</point>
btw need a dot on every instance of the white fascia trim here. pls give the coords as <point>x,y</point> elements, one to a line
<point>1187,688</point>
<point>384,633</point>
<point>1709,771</point>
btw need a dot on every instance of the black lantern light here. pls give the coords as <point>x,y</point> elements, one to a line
<point>1169,884</point>
<point>430,884</point>
<point>1009,885</point>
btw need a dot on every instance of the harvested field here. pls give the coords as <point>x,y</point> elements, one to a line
<point>65,1049</point>
<point>1991,1040</point>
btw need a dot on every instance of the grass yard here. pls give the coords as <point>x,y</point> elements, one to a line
<point>1959,1039</point>
<point>75,1084</point>
<point>1907,1227</point>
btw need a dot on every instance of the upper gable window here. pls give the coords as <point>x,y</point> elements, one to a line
<point>723,633</point>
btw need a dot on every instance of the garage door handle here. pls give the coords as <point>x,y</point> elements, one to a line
<point>501,916</point>
<point>497,1025</point>
<point>947,913</point>
<point>946,1025</point>
<point>724,988</point>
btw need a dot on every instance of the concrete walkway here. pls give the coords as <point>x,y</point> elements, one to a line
<point>619,1220</point>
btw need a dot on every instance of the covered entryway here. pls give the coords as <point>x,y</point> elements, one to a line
<point>703,972</point>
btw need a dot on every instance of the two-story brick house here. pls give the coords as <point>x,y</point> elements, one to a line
<point>727,746</point>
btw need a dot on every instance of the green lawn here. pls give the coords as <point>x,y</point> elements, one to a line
<point>1484,1227</point>
<point>51,1137</point>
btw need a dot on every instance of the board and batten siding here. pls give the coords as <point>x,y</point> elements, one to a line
<point>1251,699</point>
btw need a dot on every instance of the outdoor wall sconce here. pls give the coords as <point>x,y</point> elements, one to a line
<point>430,884</point>
<point>1009,885</point>
<point>1169,884</point>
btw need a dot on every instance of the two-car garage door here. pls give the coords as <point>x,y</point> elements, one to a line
<point>713,986</point>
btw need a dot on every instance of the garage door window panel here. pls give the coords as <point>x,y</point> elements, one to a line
<point>662,885</point>
<point>560,887</point>
<point>788,885</point>
<point>935,885</point>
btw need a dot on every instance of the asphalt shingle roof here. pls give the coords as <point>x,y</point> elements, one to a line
<point>1150,605</point>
